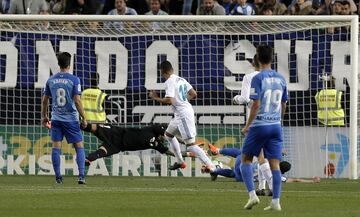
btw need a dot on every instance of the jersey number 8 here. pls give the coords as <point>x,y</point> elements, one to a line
<point>60,97</point>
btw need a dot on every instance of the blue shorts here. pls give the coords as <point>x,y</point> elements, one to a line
<point>268,138</point>
<point>71,131</point>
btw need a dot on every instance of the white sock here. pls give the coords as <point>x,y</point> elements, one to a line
<point>176,148</point>
<point>252,194</point>
<point>261,179</point>
<point>275,201</point>
<point>199,152</point>
<point>266,171</point>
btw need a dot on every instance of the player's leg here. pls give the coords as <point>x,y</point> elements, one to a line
<point>104,150</point>
<point>264,168</point>
<point>272,151</point>
<point>224,172</point>
<point>262,183</point>
<point>187,130</point>
<point>252,147</point>
<point>232,152</point>
<point>170,136</point>
<point>73,135</point>
<point>57,137</point>
<point>237,169</point>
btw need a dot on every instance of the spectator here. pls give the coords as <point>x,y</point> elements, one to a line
<point>210,7</point>
<point>346,8</point>
<point>140,6</point>
<point>227,4</point>
<point>27,7</point>
<point>302,7</point>
<point>187,6</point>
<point>266,9</point>
<point>120,9</point>
<point>337,7</point>
<point>59,7</point>
<point>353,6</point>
<point>4,6</point>
<point>81,6</point>
<point>325,8</point>
<point>258,5</point>
<point>155,10</point>
<point>278,8</point>
<point>242,8</point>
<point>1,7</point>
<point>175,7</point>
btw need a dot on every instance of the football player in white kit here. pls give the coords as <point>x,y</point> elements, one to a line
<point>264,172</point>
<point>178,94</point>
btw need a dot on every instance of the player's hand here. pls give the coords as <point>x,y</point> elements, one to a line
<point>46,122</point>
<point>83,123</point>
<point>153,94</point>
<point>244,131</point>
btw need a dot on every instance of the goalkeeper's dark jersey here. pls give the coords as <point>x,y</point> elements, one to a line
<point>131,139</point>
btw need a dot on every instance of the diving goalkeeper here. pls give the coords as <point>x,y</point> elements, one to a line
<point>118,139</point>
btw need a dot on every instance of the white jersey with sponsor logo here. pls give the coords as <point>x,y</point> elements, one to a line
<point>177,88</point>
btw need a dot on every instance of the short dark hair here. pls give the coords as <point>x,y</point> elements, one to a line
<point>255,62</point>
<point>284,166</point>
<point>345,3</point>
<point>64,59</point>
<point>94,79</point>
<point>264,54</point>
<point>166,67</point>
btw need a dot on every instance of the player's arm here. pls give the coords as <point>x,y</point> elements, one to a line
<point>80,108</point>
<point>283,110</point>
<point>166,100</point>
<point>191,94</point>
<point>44,110</point>
<point>283,102</point>
<point>244,96</point>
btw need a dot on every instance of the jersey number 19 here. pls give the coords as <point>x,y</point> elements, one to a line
<point>272,97</point>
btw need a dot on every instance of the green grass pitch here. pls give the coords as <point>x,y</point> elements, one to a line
<point>162,196</point>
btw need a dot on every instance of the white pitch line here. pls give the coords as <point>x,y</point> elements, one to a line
<point>38,189</point>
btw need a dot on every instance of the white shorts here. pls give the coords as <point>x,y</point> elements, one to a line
<point>185,127</point>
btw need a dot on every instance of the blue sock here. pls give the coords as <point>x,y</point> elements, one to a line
<point>232,152</point>
<point>247,174</point>
<point>225,172</point>
<point>276,183</point>
<point>55,157</point>
<point>80,160</point>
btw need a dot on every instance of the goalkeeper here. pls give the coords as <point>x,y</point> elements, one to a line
<point>118,139</point>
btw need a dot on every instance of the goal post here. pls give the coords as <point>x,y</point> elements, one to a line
<point>212,52</point>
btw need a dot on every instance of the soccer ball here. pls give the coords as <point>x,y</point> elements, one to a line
<point>218,164</point>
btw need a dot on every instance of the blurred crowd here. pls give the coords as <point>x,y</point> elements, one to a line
<point>181,7</point>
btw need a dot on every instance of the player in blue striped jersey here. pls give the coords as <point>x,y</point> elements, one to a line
<point>263,129</point>
<point>64,90</point>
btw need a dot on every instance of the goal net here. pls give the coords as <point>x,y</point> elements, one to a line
<point>212,53</point>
